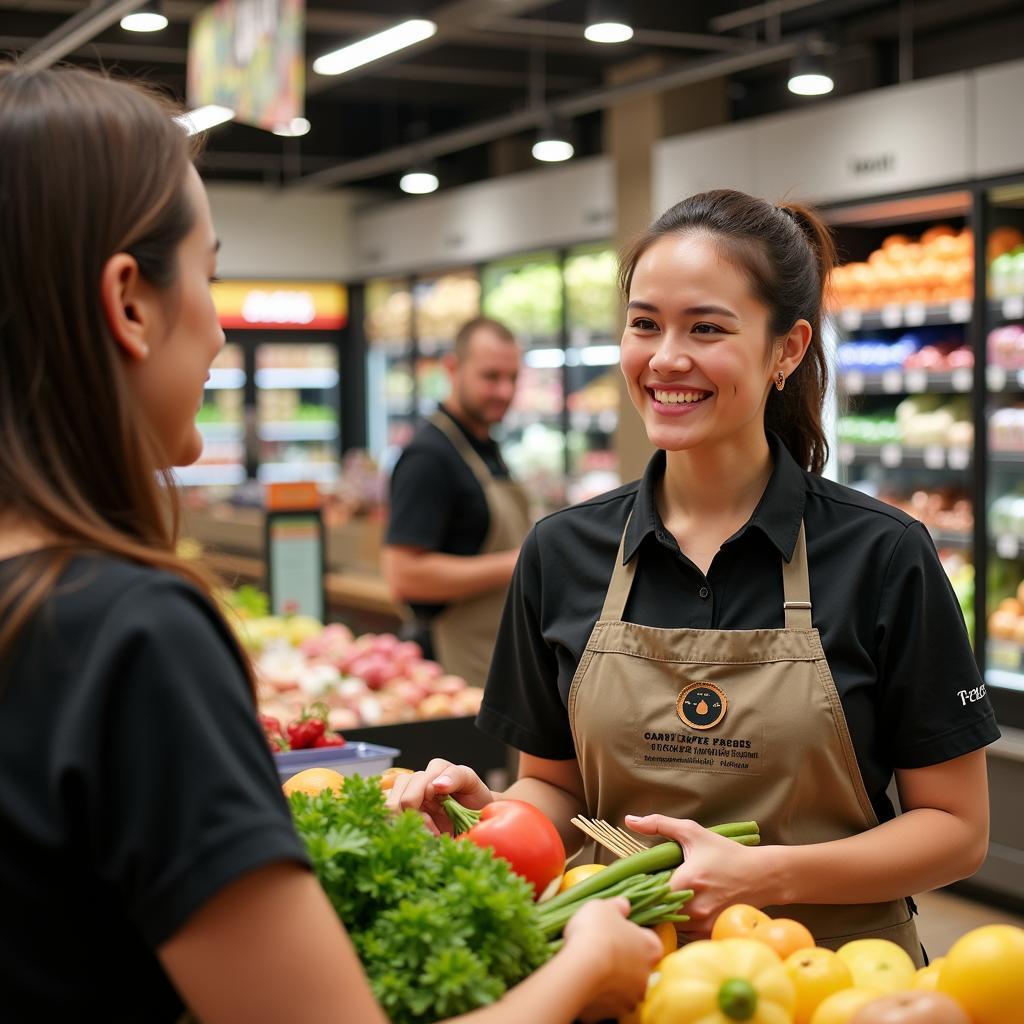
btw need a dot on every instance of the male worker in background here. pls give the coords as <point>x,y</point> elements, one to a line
<point>457,518</point>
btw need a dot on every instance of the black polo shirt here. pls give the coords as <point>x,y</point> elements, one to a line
<point>436,503</point>
<point>890,625</point>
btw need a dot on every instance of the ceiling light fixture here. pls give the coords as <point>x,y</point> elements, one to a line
<point>418,182</point>
<point>148,18</point>
<point>296,127</point>
<point>553,144</point>
<point>607,22</point>
<point>204,118</point>
<point>808,77</point>
<point>391,40</point>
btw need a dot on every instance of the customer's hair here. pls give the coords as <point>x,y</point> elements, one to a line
<point>788,254</point>
<point>480,323</point>
<point>90,167</point>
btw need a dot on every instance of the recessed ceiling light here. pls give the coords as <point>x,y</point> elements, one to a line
<point>148,18</point>
<point>294,128</point>
<point>553,144</point>
<point>418,183</point>
<point>808,77</point>
<point>608,32</point>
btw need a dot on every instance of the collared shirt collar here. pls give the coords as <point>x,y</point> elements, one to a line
<point>778,514</point>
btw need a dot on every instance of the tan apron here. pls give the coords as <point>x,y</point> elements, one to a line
<point>728,725</point>
<point>464,633</point>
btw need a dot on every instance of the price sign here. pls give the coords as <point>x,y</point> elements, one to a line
<point>1013,307</point>
<point>890,455</point>
<point>962,379</point>
<point>853,382</point>
<point>916,381</point>
<point>935,456</point>
<point>960,311</point>
<point>892,382</point>
<point>996,378</point>
<point>1007,545</point>
<point>892,315</point>
<point>850,318</point>
<point>959,458</point>
<point>1005,655</point>
<point>914,314</point>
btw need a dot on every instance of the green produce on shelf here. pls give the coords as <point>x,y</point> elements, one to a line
<point>873,430</point>
<point>528,299</point>
<point>591,290</point>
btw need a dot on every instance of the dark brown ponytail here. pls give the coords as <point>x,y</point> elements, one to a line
<point>788,253</point>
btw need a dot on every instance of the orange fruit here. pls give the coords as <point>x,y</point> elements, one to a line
<point>784,935</point>
<point>576,875</point>
<point>666,931</point>
<point>388,776</point>
<point>313,781</point>
<point>739,921</point>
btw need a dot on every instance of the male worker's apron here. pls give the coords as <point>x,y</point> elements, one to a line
<point>464,633</point>
<point>728,725</point>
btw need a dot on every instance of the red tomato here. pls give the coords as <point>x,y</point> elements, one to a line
<point>523,836</point>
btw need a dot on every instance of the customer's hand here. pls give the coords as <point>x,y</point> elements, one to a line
<point>621,954</point>
<point>426,791</point>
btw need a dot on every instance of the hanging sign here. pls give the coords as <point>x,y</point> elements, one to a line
<point>248,55</point>
<point>265,305</point>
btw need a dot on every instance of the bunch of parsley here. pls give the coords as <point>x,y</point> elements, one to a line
<point>442,927</point>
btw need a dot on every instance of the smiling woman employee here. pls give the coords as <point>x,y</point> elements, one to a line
<point>733,636</point>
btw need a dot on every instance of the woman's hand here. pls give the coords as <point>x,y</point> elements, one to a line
<point>621,954</point>
<point>426,791</point>
<point>719,871</point>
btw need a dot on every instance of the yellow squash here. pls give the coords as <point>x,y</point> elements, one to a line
<point>720,983</point>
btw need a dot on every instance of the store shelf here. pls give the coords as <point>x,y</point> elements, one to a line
<point>1007,545</point>
<point>1005,660</point>
<point>894,455</point>
<point>903,382</point>
<point>225,379</point>
<point>1007,309</point>
<point>312,378</point>
<point>213,431</point>
<point>308,430</point>
<point>910,314</point>
<point>951,538</point>
<point>603,422</point>
<point>999,378</point>
<point>517,419</point>
<point>290,472</point>
<point>1014,460</point>
<point>1007,680</point>
<point>200,475</point>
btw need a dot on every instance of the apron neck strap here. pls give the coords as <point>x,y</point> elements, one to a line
<point>447,426</point>
<point>621,582</point>
<point>796,587</point>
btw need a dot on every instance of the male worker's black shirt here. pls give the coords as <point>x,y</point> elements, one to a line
<point>436,503</point>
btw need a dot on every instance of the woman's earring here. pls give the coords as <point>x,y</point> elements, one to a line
<point>780,381</point>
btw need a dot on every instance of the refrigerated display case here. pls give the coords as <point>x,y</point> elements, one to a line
<point>297,412</point>
<point>1004,346</point>
<point>441,304</point>
<point>389,368</point>
<point>591,370</point>
<point>906,369</point>
<point>527,295</point>
<point>221,421</point>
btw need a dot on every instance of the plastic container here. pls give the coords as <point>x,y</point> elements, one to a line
<point>352,759</point>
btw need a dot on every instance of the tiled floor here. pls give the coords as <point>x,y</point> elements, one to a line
<point>945,916</point>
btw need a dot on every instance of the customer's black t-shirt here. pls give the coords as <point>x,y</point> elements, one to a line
<point>436,503</point>
<point>136,784</point>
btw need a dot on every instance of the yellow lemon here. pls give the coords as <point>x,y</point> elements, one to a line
<point>577,874</point>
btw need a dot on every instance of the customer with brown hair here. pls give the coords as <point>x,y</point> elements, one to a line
<point>147,856</point>
<point>734,637</point>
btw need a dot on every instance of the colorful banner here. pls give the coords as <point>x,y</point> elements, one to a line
<point>248,55</point>
<point>297,305</point>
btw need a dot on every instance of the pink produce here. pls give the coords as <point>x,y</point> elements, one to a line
<point>467,701</point>
<point>340,719</point>
<point>374,669</point>
<point>449,685</point>
<point>407,652</point>
<point>424,671</point>
<point>408,691</point>
<point>385,643</point>
<point>960,357</point>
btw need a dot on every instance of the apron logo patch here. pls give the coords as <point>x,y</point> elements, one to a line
<point>701,705</point>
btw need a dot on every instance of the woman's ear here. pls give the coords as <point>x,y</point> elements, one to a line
<point>126,305</point>
<point>792,348</point>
